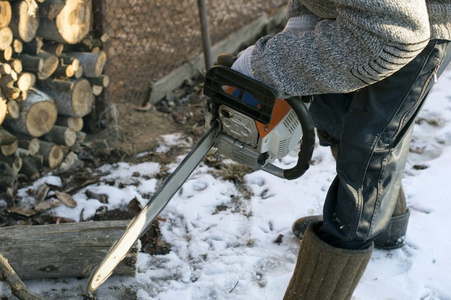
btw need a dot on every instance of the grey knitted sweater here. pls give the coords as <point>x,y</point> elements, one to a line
<point>354,43</point>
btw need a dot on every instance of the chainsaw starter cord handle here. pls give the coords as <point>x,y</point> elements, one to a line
<point>307,143</point>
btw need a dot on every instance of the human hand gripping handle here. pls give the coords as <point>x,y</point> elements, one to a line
<point>242,63</point>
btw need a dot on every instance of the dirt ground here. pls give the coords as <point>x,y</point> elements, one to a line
<point>130,129</point>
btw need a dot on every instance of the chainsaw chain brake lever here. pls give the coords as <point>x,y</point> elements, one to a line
<point>219,78</point>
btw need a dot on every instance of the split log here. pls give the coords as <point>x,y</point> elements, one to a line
<point>38,115</point>
<point>92,62</point>
<point>7,175</point>
<point>5,13</point>
<point>72,97</point>
<point>74,123</point>
<point>63,250</point>
<point>60,135</point>
<point>53,154</point>
<point>50,64</point>
<point>25,20</point>
<point>70,26</point>
<point>6,37</point>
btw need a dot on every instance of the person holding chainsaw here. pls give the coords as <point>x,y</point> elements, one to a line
<point>369,65</point>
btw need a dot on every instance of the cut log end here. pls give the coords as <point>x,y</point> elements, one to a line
<point>74,21</point>
<point>6,37</point>
<point>50,65</point>
<point>3,109</point>
<point>40,118</point>
<point>82,98</point>
<point>28,23</point>
<point>5,13</point>
<point>53,154</point>
<point>13,109</point>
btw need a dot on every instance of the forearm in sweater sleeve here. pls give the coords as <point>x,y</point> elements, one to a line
<point>364,44</point>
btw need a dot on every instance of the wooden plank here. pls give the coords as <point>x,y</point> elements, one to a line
<point>63,250</point>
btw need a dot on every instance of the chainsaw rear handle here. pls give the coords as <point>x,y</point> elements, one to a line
<point>220,77</point>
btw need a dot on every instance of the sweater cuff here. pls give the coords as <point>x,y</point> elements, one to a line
<point>301,24</point>
<point>243,63</point>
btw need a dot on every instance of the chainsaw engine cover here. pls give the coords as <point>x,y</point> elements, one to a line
<point>242,141</point>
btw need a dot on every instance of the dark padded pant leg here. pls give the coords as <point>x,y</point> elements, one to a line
<point>373,145</point>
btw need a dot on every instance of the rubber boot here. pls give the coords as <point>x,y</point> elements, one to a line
<point>325,272</point>
<point>395,234</point>
<point>392,238</point>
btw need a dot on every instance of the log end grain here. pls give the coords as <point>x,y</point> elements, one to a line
<point>3,109</point>
<point>28,22</point>
<point>74,123</point>
<point>40,118</point>
<point>82,98</point>
<point>5,13</point>
<point>49,67</point>
<point>13,109</point>
<point>9,149</point>
<point>74,21</point>
<point>6,37</point>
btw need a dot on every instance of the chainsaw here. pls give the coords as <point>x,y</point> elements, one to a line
<point>246,123</point>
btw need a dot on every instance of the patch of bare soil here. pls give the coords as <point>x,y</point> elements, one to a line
<point>131,129</point>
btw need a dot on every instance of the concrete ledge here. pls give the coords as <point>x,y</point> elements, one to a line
<point>231,44</point>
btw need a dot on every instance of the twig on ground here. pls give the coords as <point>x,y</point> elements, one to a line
<point>18,288</point>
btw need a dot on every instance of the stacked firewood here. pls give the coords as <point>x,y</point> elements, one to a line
<point>49,76</point>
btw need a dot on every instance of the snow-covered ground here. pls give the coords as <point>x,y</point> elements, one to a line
<point>223,235</point>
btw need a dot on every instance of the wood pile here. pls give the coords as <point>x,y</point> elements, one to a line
<point>50,73</point>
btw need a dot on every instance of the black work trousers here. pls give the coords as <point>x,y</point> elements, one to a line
<point>372,130</point>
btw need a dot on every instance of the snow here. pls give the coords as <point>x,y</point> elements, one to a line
<point>230,253</point>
